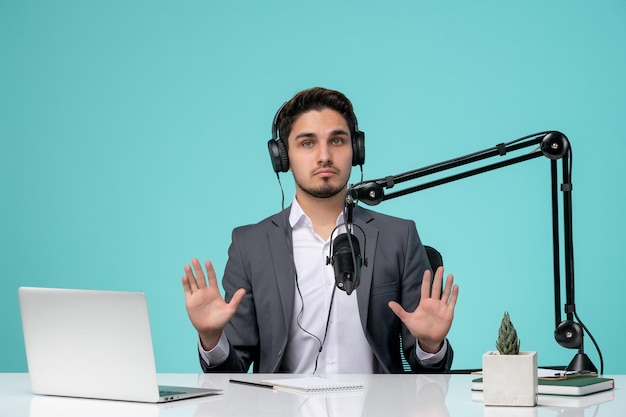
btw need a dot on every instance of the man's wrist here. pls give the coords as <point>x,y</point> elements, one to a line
<point>430,347</point>
<point>208,341</point>
<point>431,359</point>
<point>217,355</point>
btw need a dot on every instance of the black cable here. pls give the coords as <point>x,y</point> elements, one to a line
<point>330,309</point>
<point>293,262</point>
<point>593,340</point>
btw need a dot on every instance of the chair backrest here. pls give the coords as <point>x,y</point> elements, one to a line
<point>434,258</point>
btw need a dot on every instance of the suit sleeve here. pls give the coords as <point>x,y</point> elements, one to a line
<point>242,331</point>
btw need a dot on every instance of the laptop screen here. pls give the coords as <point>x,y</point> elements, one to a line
<point>87,343</point>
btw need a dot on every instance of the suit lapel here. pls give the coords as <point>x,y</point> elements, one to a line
<point>362,218</point>
<point>280,244</point>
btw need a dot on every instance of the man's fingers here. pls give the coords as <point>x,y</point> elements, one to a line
<point>437,283</point>
<point>211,274</point>
<point>426,284</point>
<point>453,298</point>
<point>186,286</point>
<point>448,288</point>
<point>194,278</point>
<point>397,310</point>
<point>190,279</point>
<point>237,297</point>
<point>198,273</point>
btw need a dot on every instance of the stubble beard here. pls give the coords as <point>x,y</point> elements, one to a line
<point>326,190</point>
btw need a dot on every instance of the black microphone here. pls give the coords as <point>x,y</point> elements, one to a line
<point>346,251</point>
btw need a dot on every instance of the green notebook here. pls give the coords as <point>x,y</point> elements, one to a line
<point>568,386</point>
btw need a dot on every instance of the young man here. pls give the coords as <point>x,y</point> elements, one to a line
<point>282,312</point>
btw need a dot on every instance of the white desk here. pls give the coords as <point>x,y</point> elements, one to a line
<point>384,395</point>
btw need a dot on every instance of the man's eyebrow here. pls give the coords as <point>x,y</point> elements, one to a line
<point>305,135</point>
<point>339,132</point>
<point>310,135</point>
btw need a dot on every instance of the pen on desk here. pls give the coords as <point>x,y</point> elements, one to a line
<point>574,374</point>
<point>249,383</point>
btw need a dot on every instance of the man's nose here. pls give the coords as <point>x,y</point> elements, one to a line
<point>325,154</point>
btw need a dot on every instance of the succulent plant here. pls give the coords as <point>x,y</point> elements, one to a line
<point>507,343</point>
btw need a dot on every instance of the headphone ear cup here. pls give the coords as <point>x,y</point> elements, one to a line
<point>358,148</point>
<point>278,155</point>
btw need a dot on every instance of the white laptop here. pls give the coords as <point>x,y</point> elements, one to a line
<point>93,344</point>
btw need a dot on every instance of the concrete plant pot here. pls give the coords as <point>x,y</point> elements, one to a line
<point>510,380</point>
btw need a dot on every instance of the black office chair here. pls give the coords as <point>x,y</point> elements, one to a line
<point>436,260</point>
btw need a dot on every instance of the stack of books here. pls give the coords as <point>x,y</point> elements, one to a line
<point>573,390</point>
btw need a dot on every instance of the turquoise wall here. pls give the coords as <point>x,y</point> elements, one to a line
<point>134,138</point>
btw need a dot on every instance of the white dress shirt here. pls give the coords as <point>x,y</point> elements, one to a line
<point>345,348</point>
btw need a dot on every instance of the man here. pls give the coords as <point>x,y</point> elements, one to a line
<point>282,312</point>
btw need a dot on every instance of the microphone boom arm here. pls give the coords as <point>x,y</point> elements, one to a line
<point>552,144</point>
<point>371,192</point>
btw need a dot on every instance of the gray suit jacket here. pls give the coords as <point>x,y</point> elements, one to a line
<point>260,262</point>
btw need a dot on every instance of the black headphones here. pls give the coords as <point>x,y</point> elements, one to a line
<point>278,150</point>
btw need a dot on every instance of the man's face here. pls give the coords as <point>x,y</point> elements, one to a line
<point>320,153</point>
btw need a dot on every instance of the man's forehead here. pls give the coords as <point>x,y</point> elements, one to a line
<point>314,117</point>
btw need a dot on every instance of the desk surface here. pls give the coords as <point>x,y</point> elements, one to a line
<point>384,395</point>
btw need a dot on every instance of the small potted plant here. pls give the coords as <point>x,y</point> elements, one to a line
<point>509,376</point>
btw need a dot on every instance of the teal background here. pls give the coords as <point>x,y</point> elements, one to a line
<point>133,138</point>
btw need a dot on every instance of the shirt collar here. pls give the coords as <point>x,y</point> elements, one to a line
<point>297,216</point>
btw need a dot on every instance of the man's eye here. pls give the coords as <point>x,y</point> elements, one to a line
<point>307,144</point>
<point>338,141</point>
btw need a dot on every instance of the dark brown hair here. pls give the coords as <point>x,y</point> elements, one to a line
<point>316,98</point>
